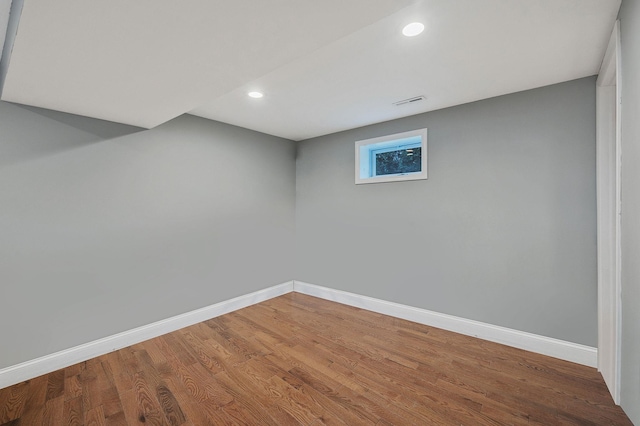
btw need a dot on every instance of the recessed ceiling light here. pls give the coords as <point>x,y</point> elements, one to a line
<point>255,94</point>
<point>413,29</point>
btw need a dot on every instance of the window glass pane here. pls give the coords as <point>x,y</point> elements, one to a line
<point>400,161</point>
<point>392,158</point>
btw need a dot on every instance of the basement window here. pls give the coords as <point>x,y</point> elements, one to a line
<point>392,158</point>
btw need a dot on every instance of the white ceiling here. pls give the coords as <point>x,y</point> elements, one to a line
<point>324,66</point>
<point>144,62</point>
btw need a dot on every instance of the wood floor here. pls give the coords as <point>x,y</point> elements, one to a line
<point>297,359</point>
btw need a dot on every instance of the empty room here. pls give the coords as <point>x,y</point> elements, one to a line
<point>360,212</point>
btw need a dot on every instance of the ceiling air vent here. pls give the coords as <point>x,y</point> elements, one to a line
<point>410,101</point>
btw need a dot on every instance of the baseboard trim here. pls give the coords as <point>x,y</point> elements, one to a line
<point>65,358</point>
<point>568,351</point>
<point>561,349</point>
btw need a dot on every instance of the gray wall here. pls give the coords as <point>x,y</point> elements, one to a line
<point>630,41</point>
<point>105,227</point>
<point>503,231</point>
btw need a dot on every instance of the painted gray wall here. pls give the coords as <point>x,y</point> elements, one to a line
<point>105,227</point>
<point>503,231</point>
<point>630,42</point>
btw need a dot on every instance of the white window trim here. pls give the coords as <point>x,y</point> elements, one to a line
<point>390,138</point>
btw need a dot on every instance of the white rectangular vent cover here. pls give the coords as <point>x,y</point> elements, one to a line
<point>410,100</point>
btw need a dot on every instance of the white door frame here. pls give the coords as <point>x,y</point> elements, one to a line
<point>609,209</point>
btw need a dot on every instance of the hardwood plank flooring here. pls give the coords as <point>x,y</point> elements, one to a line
<point>296,360</point>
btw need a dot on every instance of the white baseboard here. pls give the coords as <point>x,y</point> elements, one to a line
<point>561,349</point>
<point>531,342</point>
<point>65,358</point>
